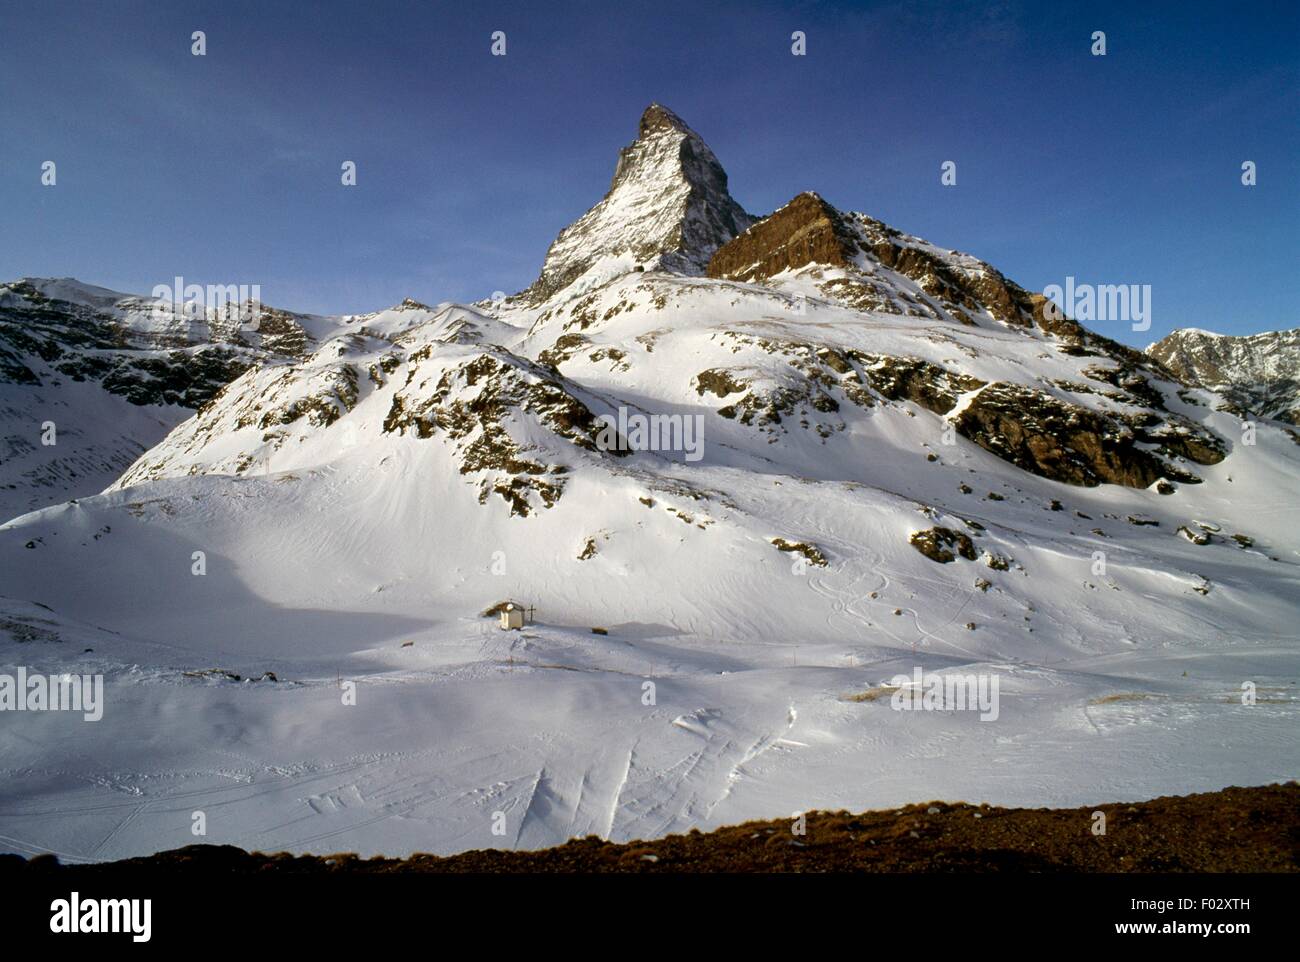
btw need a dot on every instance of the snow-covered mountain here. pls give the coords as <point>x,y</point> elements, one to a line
<point>841,453</point>
<point>667,207</point>
<point>1257,373</point>
<point>91,378</point>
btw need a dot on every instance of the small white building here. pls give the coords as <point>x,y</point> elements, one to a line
<point>512,616</point>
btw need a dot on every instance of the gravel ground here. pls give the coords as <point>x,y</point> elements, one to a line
<point>1233,830</point>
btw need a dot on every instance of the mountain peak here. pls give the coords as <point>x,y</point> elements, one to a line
<point>668,208</point>
<point>411,304</point>
<point>659,117</point>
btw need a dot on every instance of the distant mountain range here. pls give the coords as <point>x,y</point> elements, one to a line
<point>1256,373</point>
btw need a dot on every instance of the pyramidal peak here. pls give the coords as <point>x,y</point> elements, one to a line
<point>667,208</point>
<point>659,117</point>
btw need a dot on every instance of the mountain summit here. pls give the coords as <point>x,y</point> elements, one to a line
<point>668,207</point>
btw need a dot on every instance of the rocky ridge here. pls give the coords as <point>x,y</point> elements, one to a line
<point>1256,373</point>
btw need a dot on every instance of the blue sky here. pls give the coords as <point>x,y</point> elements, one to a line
<point>225,168</point>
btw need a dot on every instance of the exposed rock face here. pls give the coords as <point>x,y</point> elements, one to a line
<point>1076,445</point>
<point>1259,373</point>
<point>805,231</point>
<point>1056,440</point>
<point>667,207</point>
<point>43,337</point>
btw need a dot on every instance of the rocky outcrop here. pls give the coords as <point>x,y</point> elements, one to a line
<point>939,543</point>
<point>810,552</point>
<point>805,231</point>
<point>473,405</point>
<point>818,376</point>
<point>911,379</point>
<point>1067,442</point>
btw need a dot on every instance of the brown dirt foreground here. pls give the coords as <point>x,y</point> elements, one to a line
<point>1233,830</point>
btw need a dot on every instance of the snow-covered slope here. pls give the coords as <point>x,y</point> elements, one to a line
<point>887,459</point>
<point>1257,373</point>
